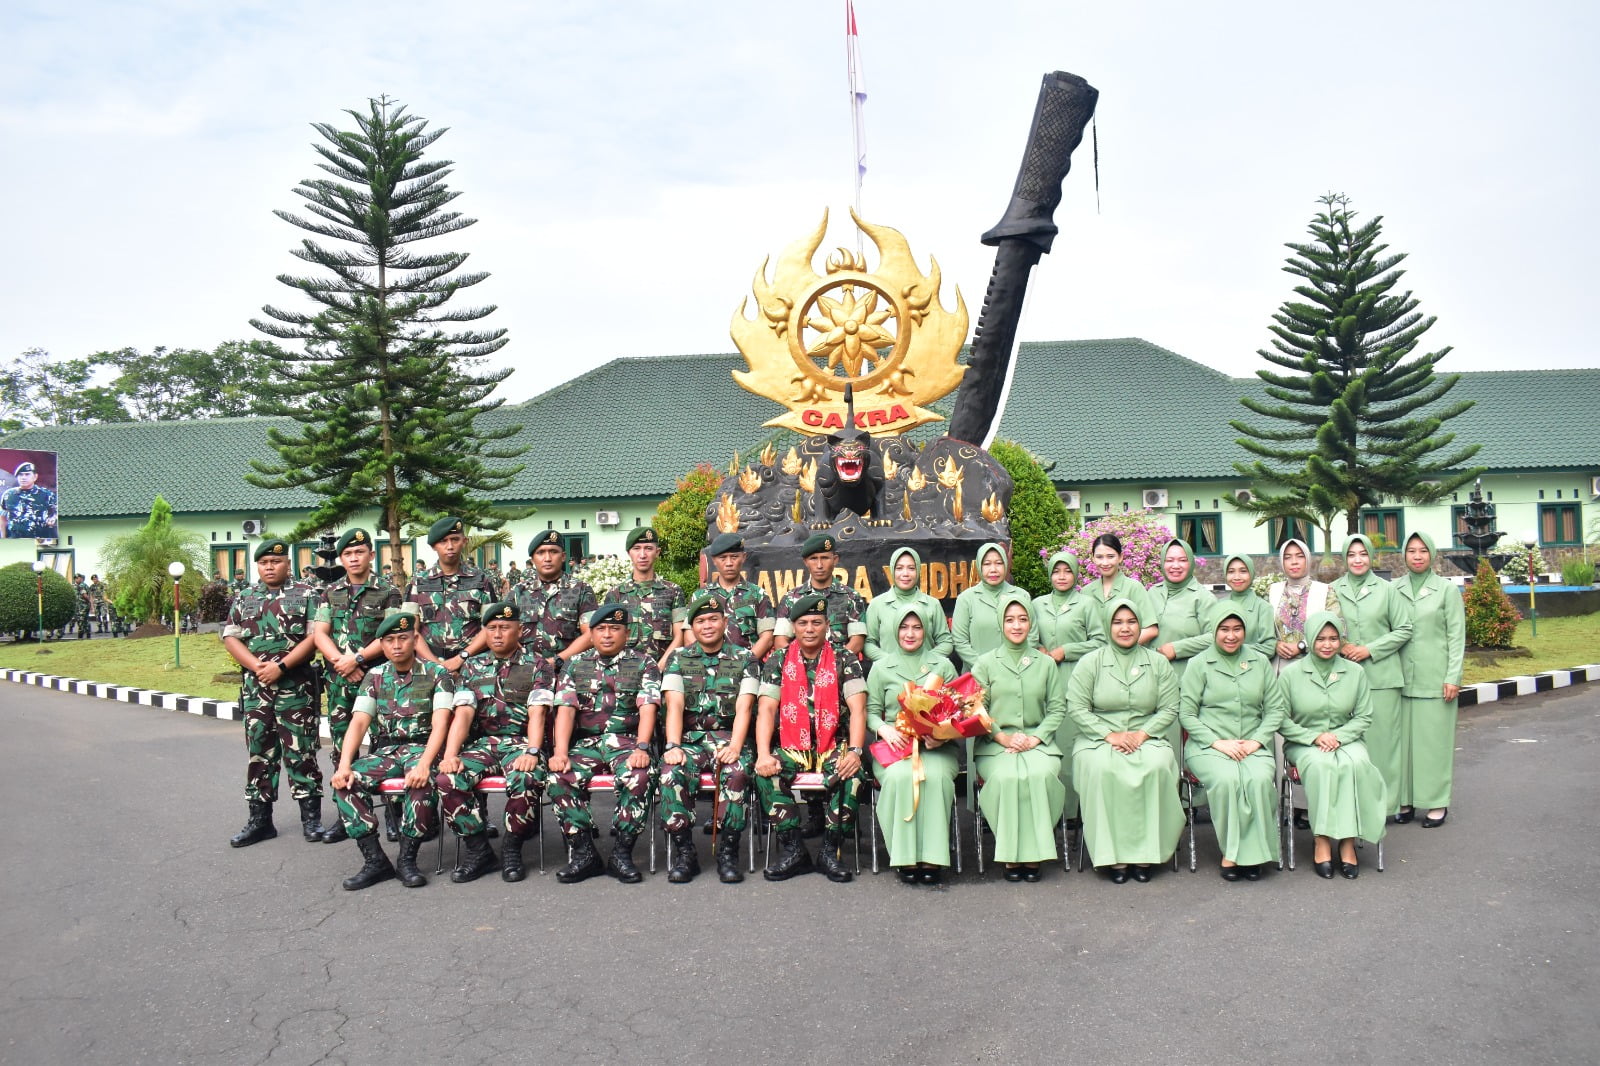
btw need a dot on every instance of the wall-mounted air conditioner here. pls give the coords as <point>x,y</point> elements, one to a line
<point>253,527</point>
<point>1154,498</point>
<point>608,518</point>
<point>1073,502</point>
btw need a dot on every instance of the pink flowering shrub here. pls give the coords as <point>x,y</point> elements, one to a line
<point>1143,539</point>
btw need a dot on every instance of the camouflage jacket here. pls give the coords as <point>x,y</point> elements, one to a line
<point>353,612</point>
<point>551,612</point>
<point>852,678</point>
<point>749,611</point>
<point>271,622</point>
<point>607,693</point>
<point>846,612</point>
<point>29,512</point>
<point>499,691</point>
<point>402,705</point>
<point>657,608</point>
<point>450,606</point>
<point>711,683</point>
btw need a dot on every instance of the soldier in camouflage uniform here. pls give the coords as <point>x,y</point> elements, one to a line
<point>451,596</point>
<point>847,627</point>
<point>804,692</point>
<point>554,606</point>
<point>606,704</point>
<point>26,509</point>
<point>346,632</point>
<point>655,604</point>
<point>709,688</point>
<point>405,702</point>
<point>497,728</point>
<point>268,633</point>
<point>97,602</point>
<point>750,616</point>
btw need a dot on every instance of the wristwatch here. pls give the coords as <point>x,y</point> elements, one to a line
<point>854,750</point>
<point>361,661</point>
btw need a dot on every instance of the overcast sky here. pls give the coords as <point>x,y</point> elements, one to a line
<point>632,164</point>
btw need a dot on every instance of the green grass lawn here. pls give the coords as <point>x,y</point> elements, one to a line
<point>1561,643</point>
<point>145,663</point>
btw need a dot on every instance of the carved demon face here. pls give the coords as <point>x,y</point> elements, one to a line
<point>850,459</point>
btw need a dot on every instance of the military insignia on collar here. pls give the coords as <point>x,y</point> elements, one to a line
<point>1333,676</point>
<point>1244,666</point>
<point>1025,660</point>
<point>1134,672</point>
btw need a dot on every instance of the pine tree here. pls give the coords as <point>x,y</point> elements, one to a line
<point>1359,415</point>
<point>387,396</point>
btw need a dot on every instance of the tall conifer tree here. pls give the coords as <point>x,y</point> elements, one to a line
<point>388,396</point>
<point>1359,414</point>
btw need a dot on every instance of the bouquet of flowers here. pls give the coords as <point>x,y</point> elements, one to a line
<point>938,710</point>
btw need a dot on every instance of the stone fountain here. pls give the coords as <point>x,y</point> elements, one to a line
<point>1480,535</point>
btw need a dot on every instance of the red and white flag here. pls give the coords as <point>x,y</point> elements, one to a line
<point>858,93</point>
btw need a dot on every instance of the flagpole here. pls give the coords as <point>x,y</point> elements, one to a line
<point>858,98</point>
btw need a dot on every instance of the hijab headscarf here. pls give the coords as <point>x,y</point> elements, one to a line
<point>1357,580</point>
<point>1057,597</point>
<point>1248,590</point>
<point>1220,614</point>
<point>1122,657</point>
<point>909,595</point>
<point>1005,563</point>
<point>1314,626</point>
<point>910,664</point>
<point>1174,587</point>
<point>1298,585</point>
<point>1007,598</point>
<point>1418,580</point>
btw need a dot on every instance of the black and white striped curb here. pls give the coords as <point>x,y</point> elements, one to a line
<point>1526,684</point>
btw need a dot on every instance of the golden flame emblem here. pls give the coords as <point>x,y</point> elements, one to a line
<point>727,514</point>
<point>769,455</point>
<point>992,509</point>
<point>749,480</point>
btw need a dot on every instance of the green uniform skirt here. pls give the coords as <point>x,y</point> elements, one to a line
<point>1130,802</point>
<point>1243,797</point>
<point>1022,799</point>
<point>926,837</point>
<point>1345,793</point>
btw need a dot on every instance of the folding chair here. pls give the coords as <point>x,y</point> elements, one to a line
<point>1291,778</point>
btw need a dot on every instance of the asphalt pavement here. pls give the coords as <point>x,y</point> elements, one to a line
<point>133,934</point>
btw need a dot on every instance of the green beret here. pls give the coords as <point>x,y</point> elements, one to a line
<point>819,542</point>
<point>443,528</point>
<point>610,614</point>
<point>398,622</point>
<point>642,534</point>
<point>501,611</point>
<point>272,547</point>
<point>808,605</point>
<point>707,602</point>
<point>725,543</point>
<point>549,538</point>
<point>25,468</point>
<point>359,537</point>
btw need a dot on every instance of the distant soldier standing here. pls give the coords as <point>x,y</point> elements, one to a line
<point>654,604</point>
<point>846,611</point>
<point>554,606</point>
<point>750,615</point>
<point>268,633</point>
<point>709,688</point>
<point>26,509</point>
<point>606,705</point>
<point>451,596</point>
<point>346,633</point>
<point>496,727</point>
<point>405,703</point>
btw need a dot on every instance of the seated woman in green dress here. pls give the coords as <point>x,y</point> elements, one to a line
<point>1123,697</point>
<point>918,840</point>
<point>1231,705</point>
<point>1329,711</point>
<point>1019,763</point>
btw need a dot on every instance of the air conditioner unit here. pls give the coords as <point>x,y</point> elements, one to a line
<point>1594,486</point>
<point>608,518</point>
<point>1243,495</point>
<point>1073,502</point>
<point>1154,498</point>
<point>254,526</point>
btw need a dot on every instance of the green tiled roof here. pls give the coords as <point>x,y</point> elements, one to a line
<point>1102,410</point>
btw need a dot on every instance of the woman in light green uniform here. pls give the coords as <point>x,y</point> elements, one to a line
<point>1062,618</point>
<point>1123,697</point>
<point>1432,660</point>
<point>1182,609</point>
<point>1377,625</point>
<point>905,575</point>
<point>1240,576</point>
<point>1330,708</point>
<point>1231,706</point>
<point>1106,555</point>
<point>976,620</point>
<point>1019,762</point>
<point>918,843</point>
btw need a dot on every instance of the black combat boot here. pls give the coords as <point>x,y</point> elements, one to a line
<point>794,860</point>
<point>728,871</point>
<point>830,860</point>
<point>511,868</point>
<point>335,833</point>
<point>814,817</point>
<point>620,865</point>
<point>311,819</point>
<point>584,863</point>
<point>391,820</point>
<point>406,864</point>
<point>376,868</point>
<point>685,863</point>
<point>258,828</point>
<point>477,860</point>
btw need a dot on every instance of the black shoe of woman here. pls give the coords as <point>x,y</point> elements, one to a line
<point>1405,816</point>
<point>1430,821</point>
<point>1118,875</point>
<point>1141,874</point>
<point>908,875</point>
<point>1349,869</point>
<point>931,875</point>
<point>1252,873</point>
<point>1013,873</point>
<point>1231,873</point>
<point>1324,869</point>
<point>1031,874</point>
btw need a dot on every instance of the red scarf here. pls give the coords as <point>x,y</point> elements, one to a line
<point>794,714</point>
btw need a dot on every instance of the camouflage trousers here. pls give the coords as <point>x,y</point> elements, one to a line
<point>341,698</point>
<point>280,725</point>
<point>680,784</point>
<point>604,754</point>
<point>488,757</point>
<point>777,792</point>
<point>418,815</point>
